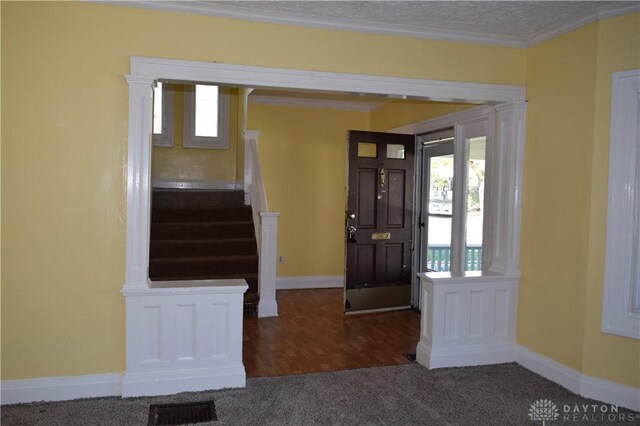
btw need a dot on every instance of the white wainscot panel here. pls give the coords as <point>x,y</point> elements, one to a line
<point>185,338</point>
<point>467,320</point>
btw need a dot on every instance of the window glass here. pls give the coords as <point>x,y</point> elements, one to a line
<point>475,203</point>
<point>367,150</point>
<point>395,151</point>
<point>157,109</point>
<point>206,121</point>
<point>440,187</point>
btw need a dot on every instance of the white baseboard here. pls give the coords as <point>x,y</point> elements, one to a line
<point>195,184</point>
<point>576,382</point>
<point>465,356</point>
<point>60,388</point>
<point>170,382</point>
<point>267,309</point>
<point>316,281</point>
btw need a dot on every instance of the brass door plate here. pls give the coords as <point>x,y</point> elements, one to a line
<point>381,236</point>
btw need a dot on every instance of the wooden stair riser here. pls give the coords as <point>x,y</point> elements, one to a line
<point>230,214</point>
<point>221,266</point>
<point>195,230</point>
<point>198,198</point>
<point>205,248</point>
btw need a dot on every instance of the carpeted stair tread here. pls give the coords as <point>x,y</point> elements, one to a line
<point>203,235</point>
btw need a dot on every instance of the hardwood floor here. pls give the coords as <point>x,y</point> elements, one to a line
<point>312,334</point>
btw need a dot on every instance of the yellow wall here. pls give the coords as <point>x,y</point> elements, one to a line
<point>303,158</point>
<point>179,163</point>
<point>63,230</point>
<point>564,199</point>
<point>401,112</point>
<point>64,110</point>
<point>611,357</point>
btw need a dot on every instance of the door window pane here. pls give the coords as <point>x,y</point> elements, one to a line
<point>367,150</point>
<point>439,244</point>
<point>475,203</point>
<point>395,151</point>
<point>206,111</point>
<point>440,187</point>
<point>441,184</point>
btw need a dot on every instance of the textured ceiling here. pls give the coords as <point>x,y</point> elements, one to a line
<point>523,20</point>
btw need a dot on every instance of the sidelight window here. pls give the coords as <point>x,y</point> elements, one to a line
<point>452,201</point>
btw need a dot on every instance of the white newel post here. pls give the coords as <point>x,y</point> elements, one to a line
<point>268,307</point>
<point>250,136</point>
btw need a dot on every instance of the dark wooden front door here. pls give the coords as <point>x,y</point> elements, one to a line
<point>379,220</point>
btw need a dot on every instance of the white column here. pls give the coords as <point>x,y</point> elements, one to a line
<point>268,306</point>
<point>508,160</point>
<point>138,180</point>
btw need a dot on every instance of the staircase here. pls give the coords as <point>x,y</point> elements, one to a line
<point>203,234</point>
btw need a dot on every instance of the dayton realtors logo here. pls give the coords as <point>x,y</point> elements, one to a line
<point>544,410</point>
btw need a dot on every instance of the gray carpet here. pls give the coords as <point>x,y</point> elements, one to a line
<point>398,395</point>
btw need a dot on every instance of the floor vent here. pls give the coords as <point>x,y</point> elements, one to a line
<point>410,357</point>
<point>250,310</point>
<point>180,414</point>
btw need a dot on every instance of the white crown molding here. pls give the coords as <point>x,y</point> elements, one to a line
<point>287,18</point>
<point>313,103</point>
<point>254,15</point>
<point>602,13</point>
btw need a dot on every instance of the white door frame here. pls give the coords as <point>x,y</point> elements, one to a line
<point>146,71</point>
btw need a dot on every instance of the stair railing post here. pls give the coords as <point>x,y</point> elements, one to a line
<point>268,306</point>
<point>250,136</point>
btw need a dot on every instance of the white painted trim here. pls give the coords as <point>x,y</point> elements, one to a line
<point>306,20</point>
<point>313,103</point>
<point>467,320</point>
<point>357,25</point>
<point>60,388</point>
<point>250,137</point>
<point>268,243</point>
<point>379,310</point>
<point>101,385</point>
<point>576,382</point>
<point>242,75</point>
<point>465,356</point>
<point>444,121</point>
<point>308,282</point>
<point>171,382</point>
<point>183,336</point>
<point>194,184</point>
<point>602,13</point>
<point>621,267</point>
